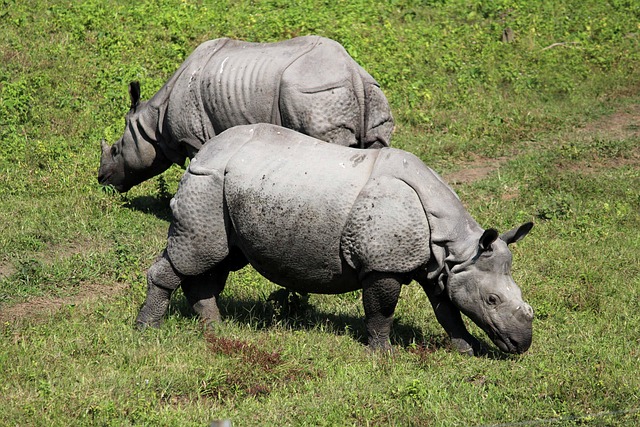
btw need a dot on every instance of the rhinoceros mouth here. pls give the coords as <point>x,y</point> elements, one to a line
<point>509,345</point>
<point>104,179</point>
<point>503,344</point>
<point>105,183</point>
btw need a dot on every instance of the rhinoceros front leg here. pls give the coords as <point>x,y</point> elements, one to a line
<point>380,293</point>
<point>162,280</point>
<point>450,318</point>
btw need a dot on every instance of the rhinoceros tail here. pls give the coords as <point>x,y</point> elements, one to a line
<point>358,87</point>
<point>377,120</point>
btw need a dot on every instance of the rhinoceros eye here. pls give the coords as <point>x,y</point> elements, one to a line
<point>493,299</point>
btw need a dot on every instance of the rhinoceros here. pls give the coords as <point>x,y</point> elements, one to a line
<point>322,218</point>
<point>309,84</point>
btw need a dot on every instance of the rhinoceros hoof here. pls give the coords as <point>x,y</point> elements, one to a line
<point>208,311</point>
<point>379,346</point>
<point>141,324</point>
<point>469,347</point>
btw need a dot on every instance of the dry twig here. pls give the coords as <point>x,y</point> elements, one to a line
<point>551,46</point>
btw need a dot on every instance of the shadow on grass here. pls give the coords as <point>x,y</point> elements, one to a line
<point>157,206</point>
<point>296,313</point>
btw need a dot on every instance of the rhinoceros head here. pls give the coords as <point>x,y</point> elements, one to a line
<point>136,156</point>
<point>483,289</point>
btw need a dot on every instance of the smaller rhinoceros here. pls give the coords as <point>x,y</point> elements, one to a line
<point>321,218</point>
<point>309,84</point>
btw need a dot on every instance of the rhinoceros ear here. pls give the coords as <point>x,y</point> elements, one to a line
<point>134,94</point>
<point>517,233</point>
<point>488,237</point>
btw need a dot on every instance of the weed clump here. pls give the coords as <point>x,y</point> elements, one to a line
<point>252,371</point>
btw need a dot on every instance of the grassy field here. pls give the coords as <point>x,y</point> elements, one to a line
<point>542,127</point>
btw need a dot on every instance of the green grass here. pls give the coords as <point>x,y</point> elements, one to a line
<point>544,101</point>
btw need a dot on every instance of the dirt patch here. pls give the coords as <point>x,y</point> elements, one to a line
<point>595,165</point>
<point>40,307</point>
<point>257,373</point>
<point>624,123</point>
<point>6,270</point>
<point>621,125</point>
<point>473,171</point>
<point>54,253</point>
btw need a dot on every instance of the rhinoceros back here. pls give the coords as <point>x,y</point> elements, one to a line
<point>226,83</point>
<point>289,197</point>
<point>243,80</point>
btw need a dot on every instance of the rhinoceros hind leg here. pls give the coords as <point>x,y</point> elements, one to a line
<point>202,292</point>
<point>380,293</point>
<point>162,280</point>
<point>330,114</point>
<point>379,121</point>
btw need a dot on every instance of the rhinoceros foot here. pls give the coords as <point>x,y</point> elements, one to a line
<point>154,308</point>
<point>469,346</point>
<point>208,311</point>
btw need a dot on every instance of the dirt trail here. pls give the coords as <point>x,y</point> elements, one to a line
<point>475,170</point>
<point>42,307</point>
<point>622,124</point>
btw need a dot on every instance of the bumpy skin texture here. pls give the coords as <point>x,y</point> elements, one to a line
<point>309,84</point>
<point>321,218</point>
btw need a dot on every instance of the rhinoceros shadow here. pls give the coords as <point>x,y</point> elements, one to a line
<point>265,313</point>
<point>154,205</point>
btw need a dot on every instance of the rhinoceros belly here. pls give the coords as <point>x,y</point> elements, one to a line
<point>289,202</point>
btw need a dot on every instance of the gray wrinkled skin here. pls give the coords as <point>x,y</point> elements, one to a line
<point>309,84</point>
<point>321,218</point>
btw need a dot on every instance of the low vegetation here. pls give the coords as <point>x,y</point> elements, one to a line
<point>538,99</point>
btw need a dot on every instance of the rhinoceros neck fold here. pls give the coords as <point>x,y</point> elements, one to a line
<point>151,127</point>
<point>454,233</point>
<point>452,230</point>
<point>175,139</point>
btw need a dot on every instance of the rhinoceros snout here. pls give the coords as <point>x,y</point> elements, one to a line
<point>516,334</point>
<point>525,312</point>
<point>104,171</point>
<point>521,341</point>
<point>522,344</point>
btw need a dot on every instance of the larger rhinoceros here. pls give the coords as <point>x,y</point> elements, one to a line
<point>321,218</point>
<point>309,84</point>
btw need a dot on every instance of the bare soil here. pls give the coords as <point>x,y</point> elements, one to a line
<point>42,307</point>
<point>623,124</point>
<point>479,168</point>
